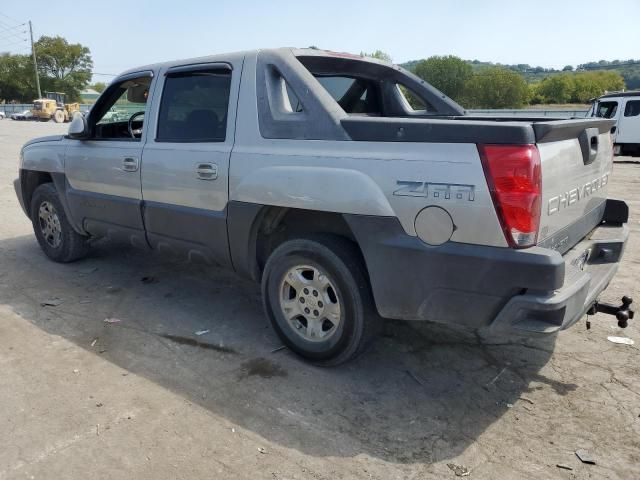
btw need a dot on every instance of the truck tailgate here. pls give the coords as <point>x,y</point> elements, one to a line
<point>576,158</point>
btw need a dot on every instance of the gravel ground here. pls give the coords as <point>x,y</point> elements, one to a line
<point>146,398</point>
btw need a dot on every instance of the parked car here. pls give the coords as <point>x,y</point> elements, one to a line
<point>349,187</point>
<point>624,108</point>
<point>24,115</point>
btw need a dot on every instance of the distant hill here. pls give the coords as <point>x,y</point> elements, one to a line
<point>629,69</point>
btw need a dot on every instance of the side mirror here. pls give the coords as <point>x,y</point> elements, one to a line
<point>78,127</point>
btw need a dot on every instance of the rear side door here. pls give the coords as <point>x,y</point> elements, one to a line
<point>629,121</point>
<point>103,171</point>
<point>185,163</point>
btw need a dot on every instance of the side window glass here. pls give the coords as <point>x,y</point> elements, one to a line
<point>194,106</point>
<point>295,104</point>
<point>607,109</point>
<point>414,101</point>
<point>110,117</point>
<point>632,109</point>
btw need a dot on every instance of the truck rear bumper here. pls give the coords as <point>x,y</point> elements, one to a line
<point>589,267</point>
<point>535,290</point>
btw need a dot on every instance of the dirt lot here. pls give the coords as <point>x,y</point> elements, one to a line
<point>146,398</point>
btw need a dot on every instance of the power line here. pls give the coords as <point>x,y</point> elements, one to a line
<point>6,33</point>
<point>13,37</point>
<point>16,42</point>
<point>10,18</point>
<point>6,26</point>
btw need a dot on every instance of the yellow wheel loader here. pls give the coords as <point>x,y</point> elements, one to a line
<point>53,107</point>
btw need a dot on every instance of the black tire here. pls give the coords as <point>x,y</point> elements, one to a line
<point>339,261</point>
<point>70,246</point>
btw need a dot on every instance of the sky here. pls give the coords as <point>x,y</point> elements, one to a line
<point>548,33</point>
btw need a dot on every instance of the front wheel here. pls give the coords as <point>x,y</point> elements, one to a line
<point>57,238</point>
<point>317,296</point>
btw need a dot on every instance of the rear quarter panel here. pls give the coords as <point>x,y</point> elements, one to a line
<point>370,178</point>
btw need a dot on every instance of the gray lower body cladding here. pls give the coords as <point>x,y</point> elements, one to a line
<point>532,290</point>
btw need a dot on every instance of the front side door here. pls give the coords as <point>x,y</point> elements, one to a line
<point>185,163</point>
<point>629,121</point>
<point>103,171</point>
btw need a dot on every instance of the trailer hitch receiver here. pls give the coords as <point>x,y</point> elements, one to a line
<point>623,313</point>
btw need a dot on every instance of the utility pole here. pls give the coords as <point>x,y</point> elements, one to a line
<point>35,61</point>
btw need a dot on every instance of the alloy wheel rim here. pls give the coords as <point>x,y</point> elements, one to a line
<point>310,303</point>
<point>50,224</point>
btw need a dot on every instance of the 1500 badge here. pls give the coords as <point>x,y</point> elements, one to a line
<point>443,191</point>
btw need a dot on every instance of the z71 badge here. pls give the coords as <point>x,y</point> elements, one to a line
<point>442,191</point>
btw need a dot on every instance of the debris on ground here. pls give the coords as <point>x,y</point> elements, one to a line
<point>76,371</point>
<point>495,378</point>
<point>201,332</point>
<point>86,270</point>
<point>262,450</point>
<point>51,302</point>
<point>585,457</point>
<point>85,300</point>
<point>278,349</point>
<point>149,280</point>
<point>459,470</point>
<point>621,340</point>
<point>564,466</point>
<point>112,320</point>
<point>525,399</point>
<point>95,340</point>
<point>111,289</point>
<point>415,377</point>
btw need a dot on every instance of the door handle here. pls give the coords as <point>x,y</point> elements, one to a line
<point>207,171</point>
<point>130,164</point>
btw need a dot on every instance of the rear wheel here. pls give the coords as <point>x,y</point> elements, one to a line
<point>57,238</point>
<point>317,296</point>
<point>58,116</point>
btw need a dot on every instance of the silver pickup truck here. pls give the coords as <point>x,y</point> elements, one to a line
<point>349,187</point>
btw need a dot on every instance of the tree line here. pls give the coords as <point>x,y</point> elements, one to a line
<point>67,67</point>
<point>62,67</point>
<point>480,85</point>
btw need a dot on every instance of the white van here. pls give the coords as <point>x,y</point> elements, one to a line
<point>624,108</point>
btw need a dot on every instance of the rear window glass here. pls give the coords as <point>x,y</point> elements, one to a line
<point>632,109</point>
<point>194,107</point>
<point>607,109</point>
<point>355,95</point>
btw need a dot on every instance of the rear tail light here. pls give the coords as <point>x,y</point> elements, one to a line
<point>515,181</point>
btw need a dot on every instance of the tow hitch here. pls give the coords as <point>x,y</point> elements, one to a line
<point>623,313</point>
